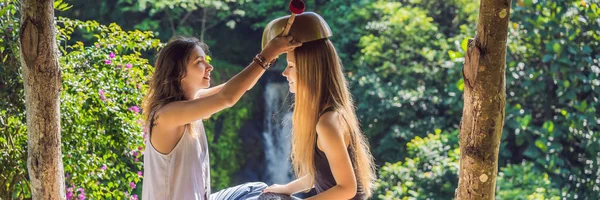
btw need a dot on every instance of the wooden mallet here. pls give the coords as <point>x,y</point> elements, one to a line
<point>296,7</point>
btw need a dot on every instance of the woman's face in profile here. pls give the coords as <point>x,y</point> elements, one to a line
<point>290,71</point>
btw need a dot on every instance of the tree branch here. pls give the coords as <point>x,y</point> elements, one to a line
<point>188,14</point>
<point>170,21</point>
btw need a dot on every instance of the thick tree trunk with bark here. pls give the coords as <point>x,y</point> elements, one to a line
<point>42,81</point>
<point>484,102</point>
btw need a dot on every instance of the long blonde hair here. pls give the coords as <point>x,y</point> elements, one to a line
<point>320,83</point>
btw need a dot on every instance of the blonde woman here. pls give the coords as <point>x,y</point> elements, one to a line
<point>329,151</point>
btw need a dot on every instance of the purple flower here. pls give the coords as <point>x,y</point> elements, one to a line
<point>81,194</point>
<point>128,66</point>
<point>103,167</point>
<point>134,197</point>
<point>107,62</point>
<point>140,174</point>
<point>67,177</point>
<point>135,153</point>
<point>69,193</point>
<point>134,109</point>
<point>97,45</point>
<point>132,185</point>
<point>136,160</point>
<point>102,97</point>
<point>9,29</point>
<point>111,55</point>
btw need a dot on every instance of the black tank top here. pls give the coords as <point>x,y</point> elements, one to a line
<point>324,179</point>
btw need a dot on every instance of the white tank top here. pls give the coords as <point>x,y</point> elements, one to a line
<point>183,174</point>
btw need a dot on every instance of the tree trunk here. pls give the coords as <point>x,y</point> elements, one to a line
<point>42,81</point>
<point>484,102</point>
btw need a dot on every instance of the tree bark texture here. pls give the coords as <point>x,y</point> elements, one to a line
<point>42,81</point>
<point>484,102</point>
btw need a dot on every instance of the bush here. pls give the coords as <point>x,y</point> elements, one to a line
<point>524,181</point>
<point>103,86</point>
<point>428,172</point>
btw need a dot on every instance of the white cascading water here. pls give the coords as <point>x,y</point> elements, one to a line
<point>277,133</point>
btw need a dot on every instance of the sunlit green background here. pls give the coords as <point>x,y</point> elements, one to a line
<point>403,60</point>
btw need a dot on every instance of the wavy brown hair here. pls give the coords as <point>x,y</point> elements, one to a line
<point>169,70</point>
<point>321,83</point>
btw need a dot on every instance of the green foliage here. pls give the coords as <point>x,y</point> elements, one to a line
<point>524,181</point>
<point>403,60</point>
<point>61,6</point>
<point>103,87</point>
<point>13,132</point>
<point>184,15</point>
<point>552,89</point>
<point>428,173</point>
<point>402,70</point>
<point>552,115</point>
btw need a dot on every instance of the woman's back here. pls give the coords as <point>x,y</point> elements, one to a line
<point>324,178</point>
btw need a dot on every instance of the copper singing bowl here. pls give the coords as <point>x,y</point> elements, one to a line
<point>308,26</point>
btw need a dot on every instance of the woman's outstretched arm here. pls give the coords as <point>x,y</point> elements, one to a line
<point>183,112</point>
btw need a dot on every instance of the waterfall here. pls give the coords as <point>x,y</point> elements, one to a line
<point>277,133</point>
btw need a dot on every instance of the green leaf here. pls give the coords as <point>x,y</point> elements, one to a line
<point>586,49</point>
<point>549,126</point>
<point>464,44</point>
<point>532,152</point>
<point>452,54</point>
<point>563,112</point>
<point>57,3</point>
<point>572,49</point>
<point>557,48</point>
<point>460,84</point>
<point>547,58</point>
<point>566,83</point>
<point>524,121</point>
<point>541,145</point>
